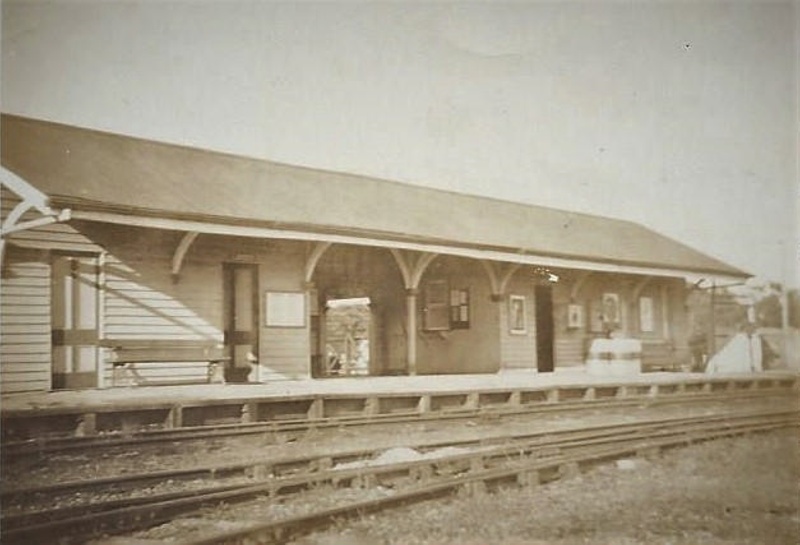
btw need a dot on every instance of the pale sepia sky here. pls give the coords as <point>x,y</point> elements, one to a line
<point>681,116</point>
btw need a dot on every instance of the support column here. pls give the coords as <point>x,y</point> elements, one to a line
<point>316,332</point>
<point>412,267</point>
<point>411,325</point>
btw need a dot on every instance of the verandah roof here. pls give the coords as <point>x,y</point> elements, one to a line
<point>92,170</point>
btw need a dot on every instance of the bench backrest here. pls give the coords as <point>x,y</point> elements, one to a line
<point>165,351</point>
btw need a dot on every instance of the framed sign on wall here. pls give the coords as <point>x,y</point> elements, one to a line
<point>575,318</point>
<point>611,310</point>
<point>285,309</point>
<point>517,323</point>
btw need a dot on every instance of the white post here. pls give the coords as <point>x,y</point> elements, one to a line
<point>411,324</point>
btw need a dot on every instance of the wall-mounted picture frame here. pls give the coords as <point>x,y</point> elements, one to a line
<point>575,317</point>
<point>285,309</point>
<point>517,315</point>
<point>611,310</point>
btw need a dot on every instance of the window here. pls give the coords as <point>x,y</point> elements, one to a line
<point>444,308</point>
<point>436,309</point>
<point>459,309</point>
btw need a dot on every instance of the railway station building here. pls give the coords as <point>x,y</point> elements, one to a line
<point>133,262</point>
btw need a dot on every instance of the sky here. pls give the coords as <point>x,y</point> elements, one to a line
<point>681,116</point>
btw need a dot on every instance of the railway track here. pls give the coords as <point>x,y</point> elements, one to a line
<point>285,465</point>
<point>474,463</point>
<point>294,428</point>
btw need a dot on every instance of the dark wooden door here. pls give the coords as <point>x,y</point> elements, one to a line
<point>544,329</point>
<point>240,294</point>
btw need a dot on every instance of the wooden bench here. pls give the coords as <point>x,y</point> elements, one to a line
<point>127,357</point>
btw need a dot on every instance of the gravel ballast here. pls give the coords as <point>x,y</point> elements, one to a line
<point>736,491</point>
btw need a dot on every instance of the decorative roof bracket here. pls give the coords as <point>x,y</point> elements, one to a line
<point>314,256</point>
<point>412,268</point>
<point>499,279</point>
<point>578,285</point>
<point>180,254</point>
<point>640,285</point>
<point>30,199</point>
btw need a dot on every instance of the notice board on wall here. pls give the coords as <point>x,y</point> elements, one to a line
<point>285,309</point>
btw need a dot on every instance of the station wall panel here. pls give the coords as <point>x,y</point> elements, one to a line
<point>24,322</point>
<point>518,348</point>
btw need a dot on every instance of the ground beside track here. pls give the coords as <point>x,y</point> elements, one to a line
<point>744,491</point>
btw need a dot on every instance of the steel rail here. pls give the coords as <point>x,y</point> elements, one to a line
<point>310,462</point>
<point>285,467</point>
<point>299,427</point>
<point>162,508</point>
<point>281,531</point>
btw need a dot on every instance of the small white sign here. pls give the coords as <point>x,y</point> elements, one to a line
<point>285,309</point>
<point>517,319</point>
<point>575,318</point>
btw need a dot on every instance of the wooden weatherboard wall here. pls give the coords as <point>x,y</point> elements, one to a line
<point>24,314</point>
<point>284,346</point>
<point>518,345</point>
<point>138,300</point>
<point>25,323</point>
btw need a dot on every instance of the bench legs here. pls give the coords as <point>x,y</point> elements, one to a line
<point>121,371</point>
<point>216,373</point>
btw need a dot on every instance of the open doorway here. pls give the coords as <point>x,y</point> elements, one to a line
<point>348,328</point>
<point>240,299</point>
<point>544,329</point>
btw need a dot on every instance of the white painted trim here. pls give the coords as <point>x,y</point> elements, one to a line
<point>402,264</point>
<point>492,255</point>
<point>32,224</point>
<point>578,285</point>
<point>420,266</point>
<point>102,276</point>
<point>313,259</point>
<point>181,250</point>
<point>499,279</point>
<point>493,281</point>
<point>30,198</point>
<point>29,194</point>
<point>412,269</point>
<point>639,287</point>
<point>665,312</point>
<point>506,278</point>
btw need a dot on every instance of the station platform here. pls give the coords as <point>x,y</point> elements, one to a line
<point>196,394</point>
<point>33,416</point>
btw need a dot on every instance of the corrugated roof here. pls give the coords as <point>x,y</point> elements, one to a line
<point>89,168</point>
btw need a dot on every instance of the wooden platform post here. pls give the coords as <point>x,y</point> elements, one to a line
<point>411,327</point>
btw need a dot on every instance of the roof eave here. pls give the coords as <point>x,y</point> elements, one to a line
<point>100,212</point>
